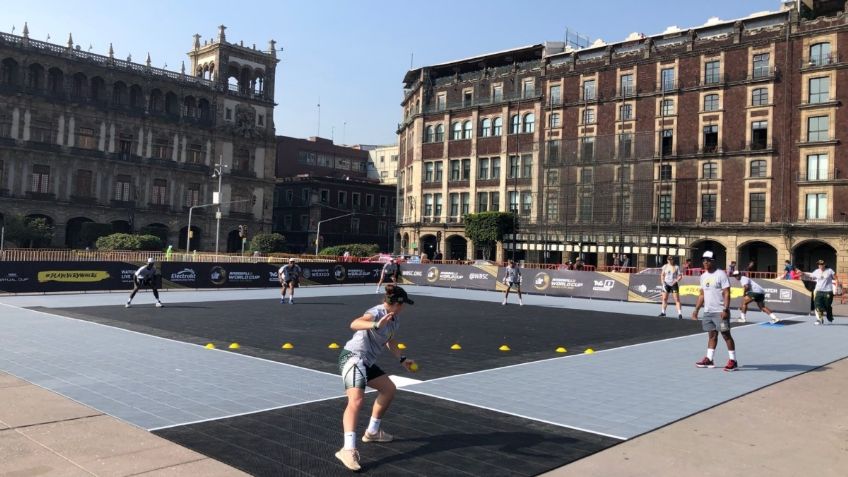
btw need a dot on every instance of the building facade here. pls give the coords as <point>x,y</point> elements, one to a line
<point>93,138</point>
<point>720,137</point>
<point>382,164</point>
<point>324,186</point>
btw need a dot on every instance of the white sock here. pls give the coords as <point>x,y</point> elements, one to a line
<point>732,355</point>
<point>710,353</point>
<point>742,315</point>
<point>679,311</point>
<point>373,426</point>
<point>663,310</point>
<point>129,301</point>
<point>773,316</point>
<point>350,440</point>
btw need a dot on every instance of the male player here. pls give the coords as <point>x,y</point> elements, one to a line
<point>145,277</point>
<point>670,277</point>
<point>390,270</point>
<point>826,285</point>
<point>289,276</point>
<point>753,292</point>
<point>512,278</point>
<point>715,299</point>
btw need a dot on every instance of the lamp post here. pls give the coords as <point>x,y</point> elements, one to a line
<point>318,229</point>
<point>216,200</point>
<point>188,232</point>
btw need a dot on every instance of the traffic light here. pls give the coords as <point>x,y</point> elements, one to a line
<point>439,236</point>
<point>253,200</point>
<point>241,231</point>
<point>244,231</point>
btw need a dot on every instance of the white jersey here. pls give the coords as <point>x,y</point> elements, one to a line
<point>289,272</point>
<point>671,274</point>
<point>369,344</point>
<point>389,269</point>
<point>751,284</point>
<point>824,280</point>
<point>712,283</point>
<point>512,275</point>
<point>145,273</point>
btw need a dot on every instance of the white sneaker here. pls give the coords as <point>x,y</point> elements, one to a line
<point>520,302</point>
<point>503,302</point>
<point>775,320</point>
<point>377,291</point>
<point>818,322</point>
<point>741,320</point>
<point>159,305</point>
<point>291,301</point>
<point>127,305</point>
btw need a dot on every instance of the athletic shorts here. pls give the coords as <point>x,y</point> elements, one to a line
<point>147,282</point>
<point>823,300</point>
<point>293,282</point>
<point>355,373</point>
<point>675,288</point>
<point>713,322</point>
<point>757,297</point>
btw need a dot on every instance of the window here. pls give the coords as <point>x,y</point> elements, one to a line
<point>160,192</point>
<point>664,206</point>
<point>552,206</point>
<point>667,77</point>
<point>429,135</point>
<point>287,222</point>
<point>437,207</point>
<point>494,201</point>
<point>759,135</point>
<point>355,200</point>
<point>40,181</point>
<point>466,169</point>
<point>625,145</point>
<point>553,151</point>
<point>512,198</point>
<point>441,102</point>
<point>497,127</point>
<point>192,195</point>
<point>817,167</point>
<point>304,223</point>
<point>589,116</point>
<point>555,95</point>
<point>228,114</point>
<point>589,90</point>
<point>354,225</point>
<point>625,85</point>
<point>665,172</point>
<point>496,168</point>
<point>440,133</point>
<point>482,202</point>
<point>304,196</point>
<point>526,203</point>
<point>757,207</point>
<point>816,206</point>
<point>428,172</point>
<point>485,127</point>
<point>342,198</point>
<point>86,139</point>
<point>369,201</point>
<point>465,201</point>
<point>466,130</point>
<point>454,205</point>
<point>454,170</point>
<point>711,102</point>
<point>529,122</point>
<point>161,148</point>
<point>527,166</point>
<point>624,174</point>
<point>817,128</point>
<point>759,97</point>
<point>122,188</point>
<point>708,207</point>
<point>514,163</point>
<point>667,107</point>
<point>437,174</point>
<point>667,142</point>
<point>528,89</point>
<point>820,54</point>
<point>711,72</point>
<point>84,183</point>
<point>456,131</point>
<point>194,154</point>
<point>514,123</point>
<point>585,206</point>
<point>761,65</point>
<point>758,168</point>
<point>553,120</point>
<point>625,112</point>
<point>819,90</point>
<point>709,170</point>
<point>710,138</point>
<point>428,205</point>
<point>497,93</point>
<point>394,158</point>
<point>586,175</point>
<point>587,149</point>
<point>325,196</point>
<point>467,98</point>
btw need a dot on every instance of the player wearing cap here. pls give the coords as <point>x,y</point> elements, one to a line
<point>391,270</point>
<point>670,277</point>
<point>145,277</point>
<point>826,285</point>
<point>512,278</point>
<point>374,333</point>
<point>715,299</point>
<point>289,276</point>
<point>753,293</point>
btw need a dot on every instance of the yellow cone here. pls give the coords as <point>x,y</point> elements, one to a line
<point>456,346</point>
<point>401,346</point>
<point>210,346</point>
<point>333,346</point>
<point>589,351</point>
<point>234,346</point>
<point>288,346</point>
<point>561,350</point>
<point>504,348</point>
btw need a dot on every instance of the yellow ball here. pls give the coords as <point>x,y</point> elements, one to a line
<point>413,367</point>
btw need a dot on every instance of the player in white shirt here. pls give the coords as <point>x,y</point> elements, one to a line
<point>391,270</point>
<point>145,277</point>
<point>289,276</point>
<point>512,278</point>
<point>670,277</point>
<point>753,292</point>
<point>715,299</point>
<point>826,286</point>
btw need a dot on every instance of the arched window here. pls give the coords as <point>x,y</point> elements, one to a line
<point>78,86</point>
<point>440,133</point>
<point>529,122</point>
<point>136,97</point>
<point>456,131</point>
<point>497,126</point>
<point>820,54</point>
<point>55,81</point>
<point>204,110</point>
<point>97,89</point>
<point>36,77</point>
<point>466,130</point>
<point>157,101</point>
<point>172,107</point>
<point>485,127</point>
<point>428,134</point>
<point>9,72</point>
<point>119,94</point>
<point>514,123</point>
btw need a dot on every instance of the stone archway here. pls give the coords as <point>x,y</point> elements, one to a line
<point>233,241</point>
<point>196,236</point>
<point>701,246</point>
<point>456,248</point>
<point>427,245</point>
<point>807,253</point>
<point>762,255</point>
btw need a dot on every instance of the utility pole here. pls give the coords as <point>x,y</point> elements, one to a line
<point>219,172</point>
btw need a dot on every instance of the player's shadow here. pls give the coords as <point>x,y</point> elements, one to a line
<point>782,368</point>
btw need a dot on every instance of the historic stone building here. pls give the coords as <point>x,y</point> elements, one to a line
<point>93,138</point>
<point>720,137</point>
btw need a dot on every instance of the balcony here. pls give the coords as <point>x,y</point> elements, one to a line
<point>713,81</point>
<point>763,73</point>
<point>122,204</point>
<point>820,61</point>
<point>241,215</point>
<point>196,167</point>
<point>125,157</point>
<point>243,173</point>
<point>32,195</point>
<point>815,177</point>
<point>83,199</point>
<point>158,207</point>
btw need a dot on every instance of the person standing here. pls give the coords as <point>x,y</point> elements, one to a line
<point>731,268</point>
<point>512,278</point>
<point>787,270</point>
<point>753,293</point>
<point>826,285</point>
<point>670,277</point>
<point>145,277</point>
<point>289,276</point>
<point>714,297</point>
<point>374,333</point>
<point>391,270</point>
<point>624,261</point>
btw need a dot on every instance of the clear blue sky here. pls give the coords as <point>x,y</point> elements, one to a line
<point>353,55</point>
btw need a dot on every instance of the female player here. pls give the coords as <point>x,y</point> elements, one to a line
<point>374,333</point>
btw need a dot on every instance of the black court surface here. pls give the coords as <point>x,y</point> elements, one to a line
<point>432,436</point>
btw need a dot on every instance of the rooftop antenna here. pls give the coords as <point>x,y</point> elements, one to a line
<point>344,131</point>
<point>411,57</point>
<point>319,117</point>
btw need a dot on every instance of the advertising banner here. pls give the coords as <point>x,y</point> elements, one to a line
<point>477,277</point>
<point>595,285</point>
<point>259,275</point>
<point>37,277</point>
<point>788,296</point>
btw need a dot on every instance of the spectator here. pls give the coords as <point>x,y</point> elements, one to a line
<point>625,262</point>
<point>168,252</point>
<point>438,256</point>
<point>797,274</point>
<point>731,268</point>
<point>787,270</point>
<point>346,256</point>
<point>578,264</point>
<point>687,266</point>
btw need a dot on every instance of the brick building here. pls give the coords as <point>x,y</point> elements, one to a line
<point>93,138</point>
<point>318,181</point>
<point>720,137</point>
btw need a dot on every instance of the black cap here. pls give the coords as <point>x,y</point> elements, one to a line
<point>399,296</point>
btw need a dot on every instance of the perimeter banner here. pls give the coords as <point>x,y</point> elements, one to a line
<point>788,296</point>
<point>38,277</point>
<point>476,277</point>
<point>595,285</point>
<point>259,275</point>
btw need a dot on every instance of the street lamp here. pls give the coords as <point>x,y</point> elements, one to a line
<point>318,230</point>
<point>216,200</point>
<point>188,232</point>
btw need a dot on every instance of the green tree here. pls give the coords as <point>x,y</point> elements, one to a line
<point>355,249</point>
<point>267,243</point>
<point>486,229</point>
<point>29,232</point>
<point>129,242</point>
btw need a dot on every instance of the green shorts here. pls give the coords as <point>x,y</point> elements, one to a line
<point>757,297</point>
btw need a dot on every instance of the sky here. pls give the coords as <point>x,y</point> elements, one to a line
<point>351,57</point>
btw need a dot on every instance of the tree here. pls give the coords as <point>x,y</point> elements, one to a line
<point>486,229</point>
<point>355,249</point>
<point>267,243</point>
<point>29,232</point>
<point>129,242</point>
